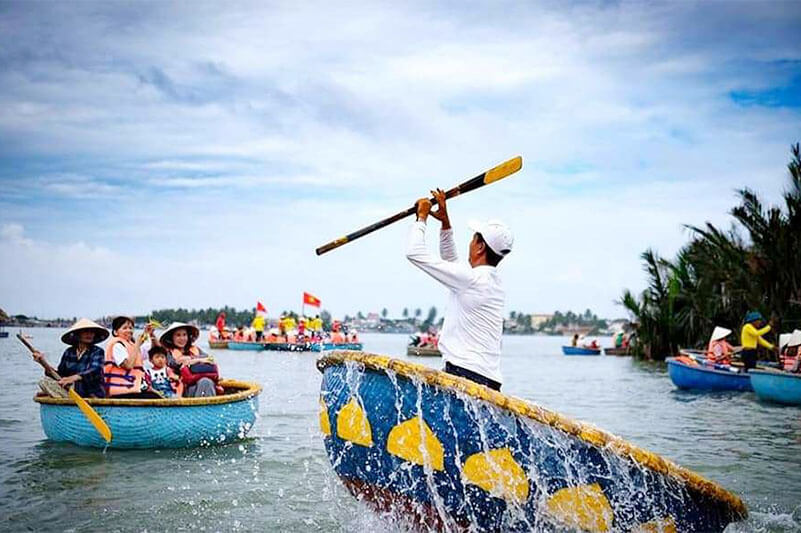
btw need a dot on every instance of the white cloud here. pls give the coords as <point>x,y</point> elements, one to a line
<point>233,144</point>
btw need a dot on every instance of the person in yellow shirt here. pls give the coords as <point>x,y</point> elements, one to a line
<point>258,326</point>
<point>751,335</point>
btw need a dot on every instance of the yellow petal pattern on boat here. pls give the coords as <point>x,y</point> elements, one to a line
<point>353,426</point>
<point>660,525</point>
<point>414,441</point>
<point>584,507</point>
<point>325,424</point>
<point>497,472</point>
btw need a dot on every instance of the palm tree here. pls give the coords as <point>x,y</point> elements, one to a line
<point>721,274</point>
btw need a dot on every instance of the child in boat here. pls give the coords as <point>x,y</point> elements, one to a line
<point>162,378</point>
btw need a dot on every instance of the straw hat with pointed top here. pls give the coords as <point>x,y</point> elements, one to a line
<point>784,338</point>
<point>795,338</point>
<point>71,335</point>
<point>719,333</point>
<point>166,337</point>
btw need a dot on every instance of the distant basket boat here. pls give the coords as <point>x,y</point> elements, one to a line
<point>326,346</point>
<point>218,345</point>
<point>580,350</point>
<point>423,351</point>
<point>617,351</point>
<point>245,345</point>
<point>686,373</point>
<point>447,454</point>
<point>776,386</point>
<point>288,346</point>
<point>169,423</point>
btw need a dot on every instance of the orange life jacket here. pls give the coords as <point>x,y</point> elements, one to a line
<point>718,351</point>
<point>336,338</point>
<point>118,379</point>
<point>291,339</point>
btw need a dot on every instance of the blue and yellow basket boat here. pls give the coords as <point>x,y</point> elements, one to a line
<point>171,423</point>
<point>442,452</point>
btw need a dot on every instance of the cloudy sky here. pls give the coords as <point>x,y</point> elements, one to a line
<point>195,154</point>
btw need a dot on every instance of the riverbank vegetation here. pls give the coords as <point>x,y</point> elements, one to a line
<point>722,273</point>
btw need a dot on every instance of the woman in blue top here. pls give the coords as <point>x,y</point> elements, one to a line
<point>81,364</point>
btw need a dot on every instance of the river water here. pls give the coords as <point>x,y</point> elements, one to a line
<point>280,478</point>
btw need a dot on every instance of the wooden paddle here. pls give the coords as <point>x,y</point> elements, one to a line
<point>90,414</point>
<point>494,174</point>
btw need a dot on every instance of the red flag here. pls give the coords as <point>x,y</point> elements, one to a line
<point>260,309</point>
<point>310,299</point>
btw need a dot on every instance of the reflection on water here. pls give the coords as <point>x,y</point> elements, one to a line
<point>281,479</point>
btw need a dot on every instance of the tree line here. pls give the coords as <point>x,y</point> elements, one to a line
<point>723,273</point>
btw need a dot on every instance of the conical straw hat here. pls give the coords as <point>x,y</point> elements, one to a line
<point>71,335</point>
<point>719,333</point>
<point>795,338</point>
<point>166,337</point>
<point>784,338</point>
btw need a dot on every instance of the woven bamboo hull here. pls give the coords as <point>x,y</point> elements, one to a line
<point>702,377</point>
<point>578,350</point>
<point>776,386</point>
<point>442,452</point>
<point>218,345</point>
<point>182,423</point>
<point>425,351</point>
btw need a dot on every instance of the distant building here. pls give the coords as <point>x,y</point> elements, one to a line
<point>538,319</point>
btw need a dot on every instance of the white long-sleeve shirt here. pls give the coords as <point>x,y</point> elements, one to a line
<point>471,333</point>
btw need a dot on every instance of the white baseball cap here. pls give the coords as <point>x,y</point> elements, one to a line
<point>496,234</point>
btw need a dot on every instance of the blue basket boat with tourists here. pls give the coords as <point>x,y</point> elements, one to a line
<point>168,423</point>
<point>245,346</point>
<point>580,350</point>
<point>438,451</point>
<point>686,373</point>
<point>776,386</point>
<point>328,346</point>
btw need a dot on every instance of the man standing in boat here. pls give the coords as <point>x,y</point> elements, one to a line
<point>470,341</point>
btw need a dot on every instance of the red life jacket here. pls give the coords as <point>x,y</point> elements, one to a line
<point>120,380</point>
<point>187,376</point>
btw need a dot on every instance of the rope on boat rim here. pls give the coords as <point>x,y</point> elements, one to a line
<point>581,430</point>
<point>246,390</point>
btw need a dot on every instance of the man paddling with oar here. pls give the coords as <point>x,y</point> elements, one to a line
<point>471,333</point>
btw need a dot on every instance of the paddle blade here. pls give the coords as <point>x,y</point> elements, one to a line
<point>503,170</point>
<point>91,415</point>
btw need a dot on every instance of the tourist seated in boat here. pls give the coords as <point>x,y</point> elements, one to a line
<point>353,336</point>
<point>575,341</point>
<point>160,377</point>
<point>719,350</point>
<point>792,354</point>
<point>473,324</point>
<point>198,370</point>
<point>81,365</point>
<point>754,328</point>
<point>239,334</point>
<point>124,373</point>
<point>337,337</point>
